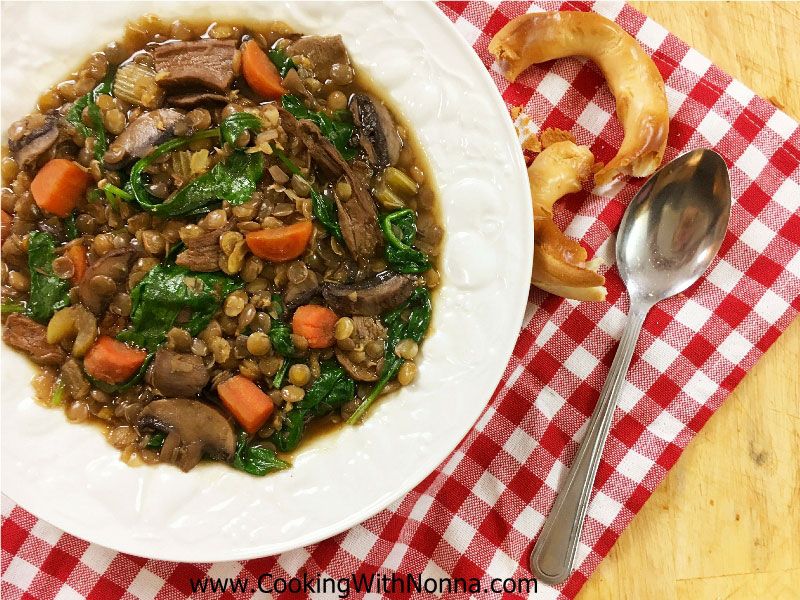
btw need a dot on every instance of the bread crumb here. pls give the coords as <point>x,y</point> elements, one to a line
<point>552,135</point>
<point>532,144</point>
<point>515,111</point>
<point>775,102</point>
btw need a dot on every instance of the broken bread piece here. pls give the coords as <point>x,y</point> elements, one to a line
<point>631,75</point>
<point>559,263</point>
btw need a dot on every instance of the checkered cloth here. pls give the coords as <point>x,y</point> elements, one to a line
<point>477,514</point>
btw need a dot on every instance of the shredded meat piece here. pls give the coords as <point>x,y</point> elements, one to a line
<point>323,51</point>
<point>358,217</point>
<point>366,329</point>
<point>202,253</point>
<point>30,337</point>
<point>205,64</point>
<point>192,99</point>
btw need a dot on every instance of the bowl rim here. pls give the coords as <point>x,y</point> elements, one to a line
<point>425,467</point>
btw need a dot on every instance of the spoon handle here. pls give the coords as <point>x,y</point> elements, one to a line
<point>554,553</point>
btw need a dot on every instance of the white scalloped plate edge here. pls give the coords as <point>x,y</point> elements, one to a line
<point>69,476</point>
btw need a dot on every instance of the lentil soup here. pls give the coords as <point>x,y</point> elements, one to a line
<point>216,238</point>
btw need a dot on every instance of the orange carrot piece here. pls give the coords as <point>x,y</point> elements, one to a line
<point>112,361</point>
<point>5,225</point>
<point>59,186</point>
<point>246,402</point>
<point>260,73</point>
<point>77,254</point>
<point>280,243</point>
<point>316,324</point>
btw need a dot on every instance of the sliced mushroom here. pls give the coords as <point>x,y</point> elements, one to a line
<point>177,374</point>
<point>41,132</point>
<point>371,297</point>
<point>99,283</point>
<point>377,132</point>
<point>142,135</point>
<point>193,429</point>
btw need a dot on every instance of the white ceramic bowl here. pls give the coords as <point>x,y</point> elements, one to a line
<point>70,476</point>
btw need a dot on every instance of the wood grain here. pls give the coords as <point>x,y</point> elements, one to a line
<point>726,520</point>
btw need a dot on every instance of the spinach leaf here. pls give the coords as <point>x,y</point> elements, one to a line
<point>400,253</point>
<point>232,127</point>
<point>156,441</point>
<point>281,60</point>
<point>70,228</point>
<point>413,328</point>
<point>256,460</point>
<point>324,209</point>
<point>167,291</point>
<point>322,206</point>
<point>234,180</point>
<point>333,388</point>
<point>288,438</point>
<point>48,292</point>
<point>136,184</point>
<point>75,114</point>
<point>338,130</point>
<point>280,334</point>
<point>280,374</point>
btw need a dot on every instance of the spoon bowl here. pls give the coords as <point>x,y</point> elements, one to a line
<point>674,226</point>
<point>669,235</point>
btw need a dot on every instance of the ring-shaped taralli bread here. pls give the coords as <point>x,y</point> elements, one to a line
<point>631,74</point>
<point>559,263</point>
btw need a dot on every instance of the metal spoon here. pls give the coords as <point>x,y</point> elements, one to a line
<point>671,231</point>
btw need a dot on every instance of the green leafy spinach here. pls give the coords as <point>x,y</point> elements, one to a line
<point>414,328</point>
<point>235,125</point>
<point>234,179</point>
<point>48,292</point>
<point>281,60</point>
<point>280,334</point>
<point>256,460</point>
<point>333,388</point>
<point>167,291</point>
<point>400,253</point>
<point>338,130</point>
<point>88,101</point>
<point>70,227</point>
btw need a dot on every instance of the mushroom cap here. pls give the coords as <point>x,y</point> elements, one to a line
<point>371,297</point>
<point>199,429</point>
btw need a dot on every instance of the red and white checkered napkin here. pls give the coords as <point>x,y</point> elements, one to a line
<point>477,514</point>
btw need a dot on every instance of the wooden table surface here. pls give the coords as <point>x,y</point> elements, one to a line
<point>725,523</point>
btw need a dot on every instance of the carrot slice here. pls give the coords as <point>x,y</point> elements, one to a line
<point>316,324</point>
<point>260,73</point>
<point>112,361</point>
<point>280,243</point>
<point>246,402</point>
<point>77,254</point>
<point>5,225</point>
<point>59,186</point>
